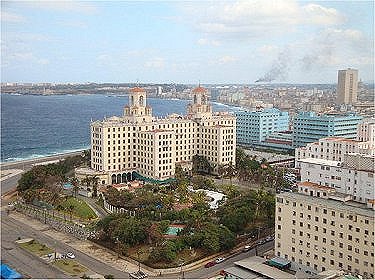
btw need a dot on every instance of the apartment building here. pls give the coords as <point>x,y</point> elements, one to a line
<point>256,126</point>
<point>354,175</point>
<point>366,132</point>
<point>309,127</point>
<point>138,145</point>
<point>324,230</point>
<point>332,148</point>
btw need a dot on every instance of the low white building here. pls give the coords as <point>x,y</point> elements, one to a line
<point>354,175</point>
<point>333,148</point>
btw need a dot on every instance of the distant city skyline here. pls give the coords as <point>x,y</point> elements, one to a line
<point>186,42</point>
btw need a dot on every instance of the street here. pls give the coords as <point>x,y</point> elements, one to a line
<point>34,267</point>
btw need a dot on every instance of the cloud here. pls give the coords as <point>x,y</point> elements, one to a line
<point>24,57</point>
<point>12,17</point>
<point>64,6</point>
<point>156,62</point>
<point>208,42</point>
<point>226,59</point>
<point>268,49</point>
<point>249,19</point>
<point>74,24</point>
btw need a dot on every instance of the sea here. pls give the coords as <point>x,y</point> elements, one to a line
<point>34,126</point>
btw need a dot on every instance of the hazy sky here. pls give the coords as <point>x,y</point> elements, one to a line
<point>184,42</point>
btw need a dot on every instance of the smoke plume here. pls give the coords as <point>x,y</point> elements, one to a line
<point>279,69</point>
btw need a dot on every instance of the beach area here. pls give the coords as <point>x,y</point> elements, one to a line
<point>11,172</point>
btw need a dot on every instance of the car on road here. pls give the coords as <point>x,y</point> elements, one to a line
<point>262,241</point>
<point>209,264</point>
<point>219,260</point>
<point>247,248</point>
<point>269,238</point>
<point>70,255</point>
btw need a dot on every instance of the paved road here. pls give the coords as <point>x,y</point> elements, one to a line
<point>32,266</point>
<point>11,183</point>
<point>205,273</point>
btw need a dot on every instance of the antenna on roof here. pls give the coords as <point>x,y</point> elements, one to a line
<point>199,83</point>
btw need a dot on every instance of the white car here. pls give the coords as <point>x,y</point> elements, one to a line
<point>219,260</point>
<point>70,255</point>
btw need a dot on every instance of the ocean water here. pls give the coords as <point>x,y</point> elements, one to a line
<point>35,126</point>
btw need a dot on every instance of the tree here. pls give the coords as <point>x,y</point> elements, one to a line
<point>94,180</point>
<point>71,209</point>
<point>61,209</point>
<point>75,182</point>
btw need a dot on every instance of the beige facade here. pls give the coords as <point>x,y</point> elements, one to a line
<point>139,142</point>
<point>325,233</point>
<point>366,133</point>
<point>347,86</point>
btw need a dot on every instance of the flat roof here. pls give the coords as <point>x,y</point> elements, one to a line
<point>315,186</point>
<point>320,161</point>
<point>257,265</point>
<point>241,273</point>
<point>350,206</point>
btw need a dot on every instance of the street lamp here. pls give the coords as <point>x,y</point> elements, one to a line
<point>45,214</point>
<point>182,273</point>
<point>118,247</point>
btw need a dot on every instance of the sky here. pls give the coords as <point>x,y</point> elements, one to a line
<point>281,41</point>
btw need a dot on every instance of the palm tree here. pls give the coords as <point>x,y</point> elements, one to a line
<point>62,209</point>
<point>75,183</point>
<point>259,200</point>
<point>94,180</point>
<point>230,171</point>
<point>71,208</point>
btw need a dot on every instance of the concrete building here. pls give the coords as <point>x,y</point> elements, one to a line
<point>353,176</point>
<point>256,126</point>
<point>309,127</point>
<point>325,232</point>
<point>138,145</point>
<point>332,148</point>
<point>347,86</point>
<point>366,132</point>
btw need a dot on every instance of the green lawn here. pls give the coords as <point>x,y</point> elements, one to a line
<point>36,248</point>
<point>80,210</point>
<point>70,266</point>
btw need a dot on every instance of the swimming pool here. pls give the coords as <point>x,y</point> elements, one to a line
<point>174,230</point>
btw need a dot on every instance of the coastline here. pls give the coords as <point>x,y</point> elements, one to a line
<point>29,162</point>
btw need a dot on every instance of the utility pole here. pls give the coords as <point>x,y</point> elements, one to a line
<point>118,248</point>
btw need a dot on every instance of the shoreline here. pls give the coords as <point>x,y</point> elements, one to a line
<point>31,161</point>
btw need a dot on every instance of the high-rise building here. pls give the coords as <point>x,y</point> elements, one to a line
<point>309,127</point>
<point>138,145</point>
<point>323,230</point>
<point>347,86</point>
<point>256,126</point>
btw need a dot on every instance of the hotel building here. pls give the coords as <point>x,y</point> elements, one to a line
<point>308,127</point>
<point>138,145</point>
<point>324,230</point>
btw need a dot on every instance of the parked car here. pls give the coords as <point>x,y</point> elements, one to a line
<point>247,248</point>
<point>70,255</point>
<point>262,241</point>
<point>209,264</point>
<point>269,238</point>
<point>219,260</point>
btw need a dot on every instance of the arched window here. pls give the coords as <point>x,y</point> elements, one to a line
<point>195,98</point>
<point>141,100</point>
<point>132,100</point>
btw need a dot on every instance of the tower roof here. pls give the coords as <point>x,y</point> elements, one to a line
<point>199,90</point>
<point>137,89</point>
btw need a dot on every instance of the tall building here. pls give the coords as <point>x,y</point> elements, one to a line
<point>347,86</point>
<point>366,132</point>
<point>256,126</point>
<point>323,230</point>
<point>138,145</point>
<point>309,127</point>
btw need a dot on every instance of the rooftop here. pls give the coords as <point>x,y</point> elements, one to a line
<point>354,207</point>
<point>321,161</point>
<point>315,186</point>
